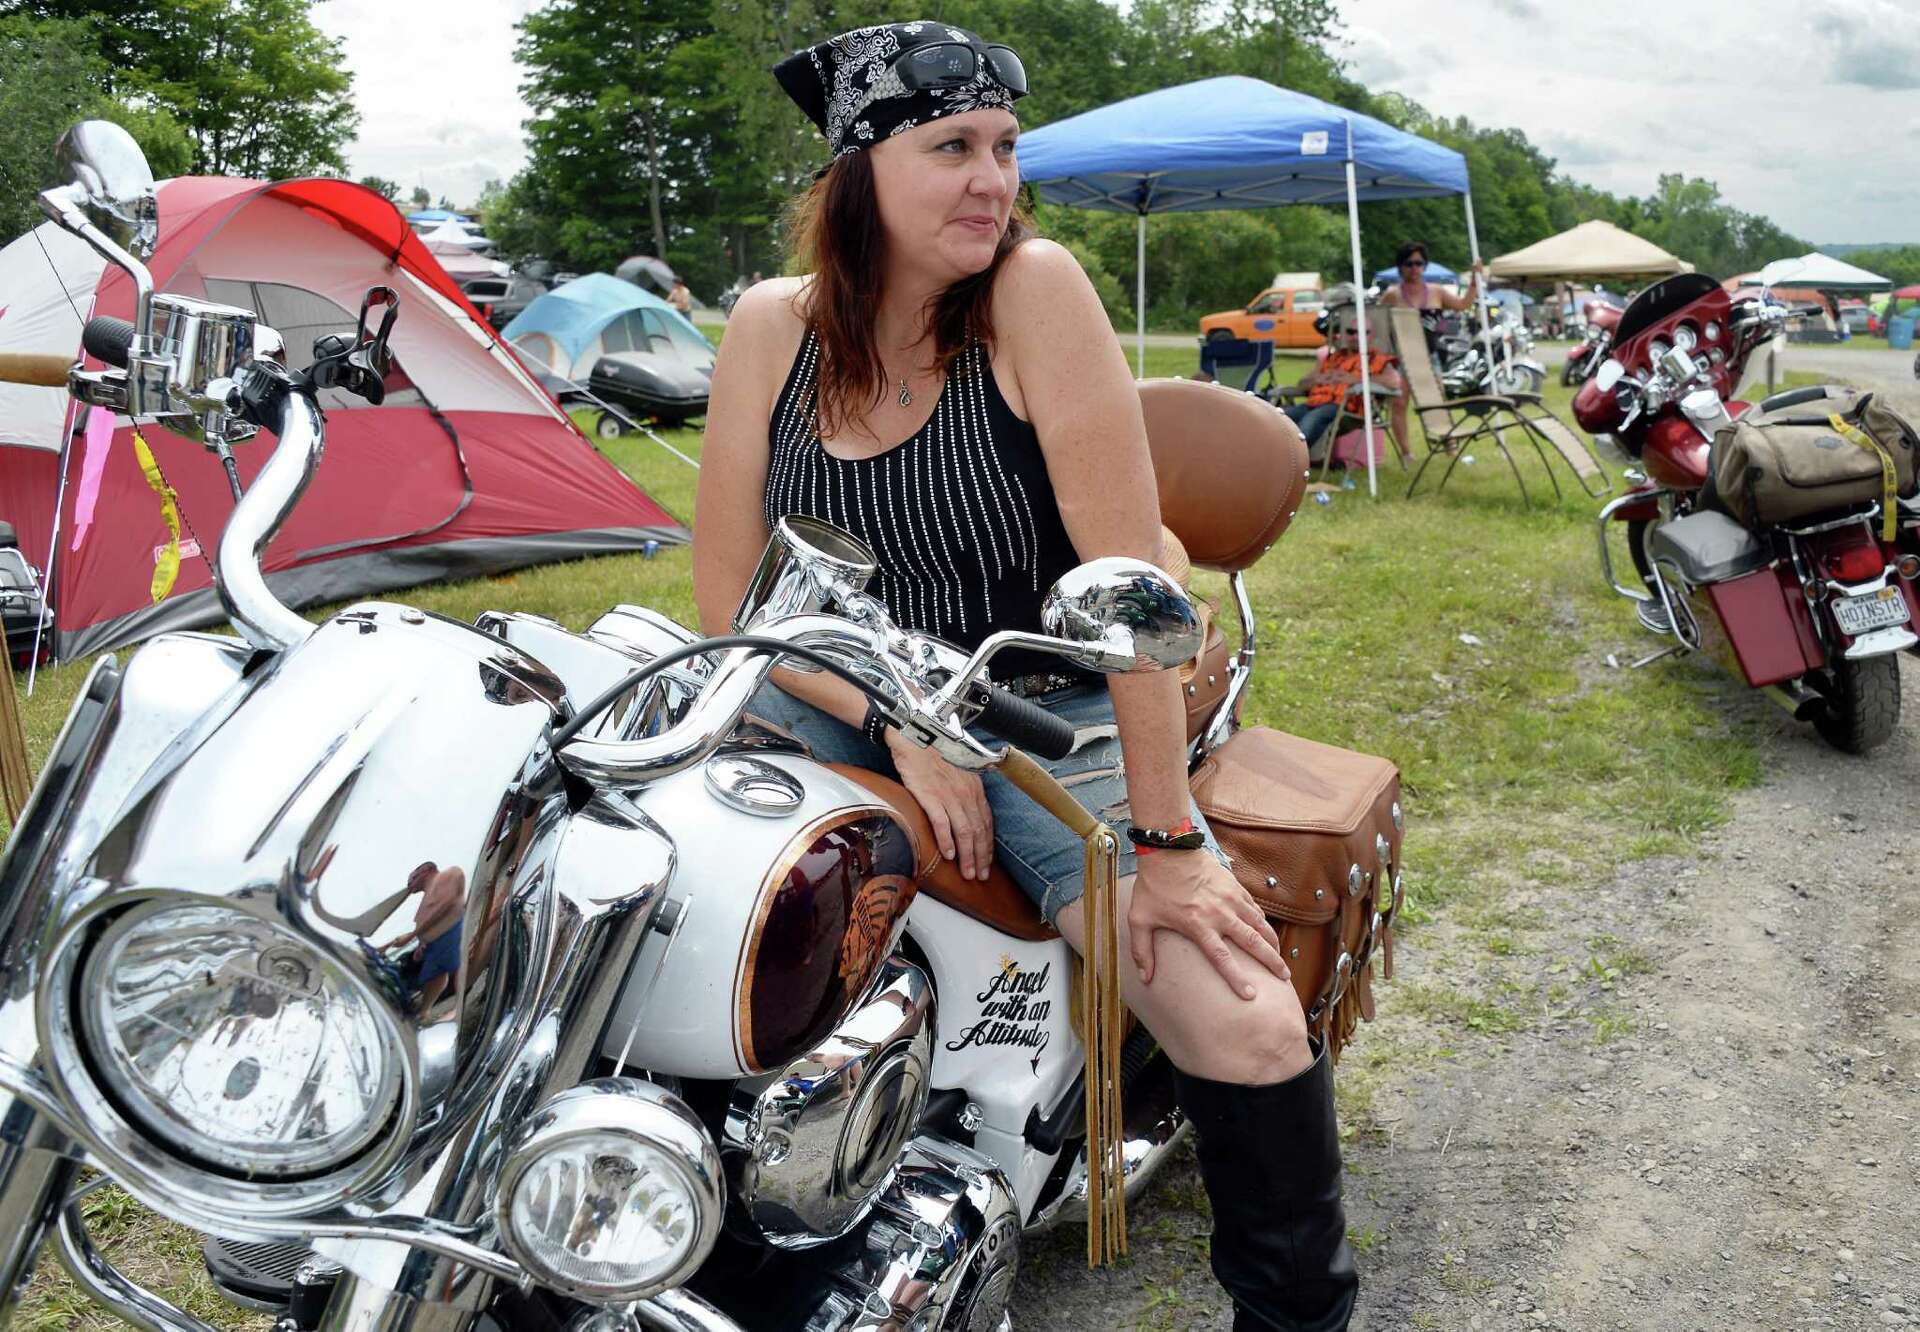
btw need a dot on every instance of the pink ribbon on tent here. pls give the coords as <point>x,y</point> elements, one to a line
<point>93,465</point>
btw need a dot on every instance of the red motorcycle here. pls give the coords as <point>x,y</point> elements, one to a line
<point>1584,360</point>
<point>1815,612</point>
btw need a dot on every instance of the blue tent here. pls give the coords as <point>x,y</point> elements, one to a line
<point>575,317</point>
<point>1234,142</point>
<point>436,216</point>
<point>1387,277</point>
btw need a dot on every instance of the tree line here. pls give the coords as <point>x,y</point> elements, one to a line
<point>656,127</point>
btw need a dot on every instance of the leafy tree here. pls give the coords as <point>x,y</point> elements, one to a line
<point>420,198</point>
<point>56,77</point>
<point>258,88</point>
<point>380,185</point>
<point>1899,264</point>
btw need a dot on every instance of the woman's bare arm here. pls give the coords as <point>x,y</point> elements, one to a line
<point>1073,379</point>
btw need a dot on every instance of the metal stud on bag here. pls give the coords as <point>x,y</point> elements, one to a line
<point>1399,819</point>
<point>1354,881</point>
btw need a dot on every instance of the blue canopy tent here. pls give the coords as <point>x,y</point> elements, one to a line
<point>1235,142</point>
<point>1387,277</point>
<point>437,215</point>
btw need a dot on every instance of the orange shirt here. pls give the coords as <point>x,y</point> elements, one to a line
<point>1340,370</point>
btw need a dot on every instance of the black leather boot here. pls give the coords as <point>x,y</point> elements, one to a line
<point>1270,1158</point>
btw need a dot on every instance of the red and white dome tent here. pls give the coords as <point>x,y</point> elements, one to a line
<point>468,468</point>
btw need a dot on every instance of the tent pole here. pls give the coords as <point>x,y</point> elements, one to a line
<point>1360,313</point>
<point>1480,290</point>
<point>1140,301</point>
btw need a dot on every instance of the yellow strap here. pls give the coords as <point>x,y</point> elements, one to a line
<point>166,565</point>
<point>1889,474</point>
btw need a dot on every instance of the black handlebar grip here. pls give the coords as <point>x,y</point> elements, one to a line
<point>1025,725</point>
<point>107,339</point>
<point>1794,397</point>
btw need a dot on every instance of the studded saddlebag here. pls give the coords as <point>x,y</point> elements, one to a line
<point>1314,834</point>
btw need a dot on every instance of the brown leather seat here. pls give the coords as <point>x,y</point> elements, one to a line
<point>1232,469</point>
<point>996,900</point>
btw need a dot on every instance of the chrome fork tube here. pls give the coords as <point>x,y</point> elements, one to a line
<point>259,616</point>
<point>33,1188</point>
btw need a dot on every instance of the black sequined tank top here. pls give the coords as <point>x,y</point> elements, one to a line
<point>961,516</point>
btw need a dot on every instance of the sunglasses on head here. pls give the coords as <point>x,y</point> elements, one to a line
<point>956,64</point>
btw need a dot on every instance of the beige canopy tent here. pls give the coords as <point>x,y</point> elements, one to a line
<point>1592,249</point>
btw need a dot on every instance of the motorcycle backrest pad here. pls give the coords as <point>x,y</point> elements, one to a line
<point>1788,464</point>
<point>1231,469</point>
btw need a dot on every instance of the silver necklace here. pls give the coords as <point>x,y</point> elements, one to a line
<point>906,394</point>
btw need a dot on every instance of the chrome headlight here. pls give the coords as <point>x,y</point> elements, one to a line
<point>234,1043</point>
<point>611,1192</point>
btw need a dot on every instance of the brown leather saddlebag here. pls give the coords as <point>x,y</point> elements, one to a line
<point>1314,834</point>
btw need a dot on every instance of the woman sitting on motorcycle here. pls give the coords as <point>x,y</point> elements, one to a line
<point>947,387</point>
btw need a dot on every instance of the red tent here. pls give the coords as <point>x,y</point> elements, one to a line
<point>468,468</point>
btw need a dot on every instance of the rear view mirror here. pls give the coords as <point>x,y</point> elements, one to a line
<point>1135,611</point>
<point>1609,374</point>
<point>109,184</point>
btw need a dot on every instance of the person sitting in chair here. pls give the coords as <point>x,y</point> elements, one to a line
<point>1336,377</point>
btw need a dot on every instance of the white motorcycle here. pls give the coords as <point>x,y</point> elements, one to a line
<point>712,1041</point>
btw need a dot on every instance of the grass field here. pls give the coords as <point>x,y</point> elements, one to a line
<point>1466,637</point>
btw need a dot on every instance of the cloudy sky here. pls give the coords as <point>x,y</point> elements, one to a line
<point>1807,111</point>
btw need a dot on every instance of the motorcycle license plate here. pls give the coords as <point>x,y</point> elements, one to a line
<point>1859,615</point>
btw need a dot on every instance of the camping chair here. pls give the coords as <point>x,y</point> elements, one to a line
<point>1218,352</point>
<point>1451,424</point>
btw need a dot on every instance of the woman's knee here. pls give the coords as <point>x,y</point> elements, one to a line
<point>1255,1042</point>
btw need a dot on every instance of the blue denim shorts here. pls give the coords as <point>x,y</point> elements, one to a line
<point>1036,850</point>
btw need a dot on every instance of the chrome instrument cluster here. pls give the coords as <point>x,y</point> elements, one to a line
<point>1685,338</point>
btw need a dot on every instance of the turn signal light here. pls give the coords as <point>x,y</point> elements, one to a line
<point>1908,566</point>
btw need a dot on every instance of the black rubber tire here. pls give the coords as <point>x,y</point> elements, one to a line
<point>1566,373</point>
<point>609,426</point>
<point>1863,704</point>
<point>1219,335</point>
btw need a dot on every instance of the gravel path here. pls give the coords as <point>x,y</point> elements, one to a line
<point>1726,1139</point>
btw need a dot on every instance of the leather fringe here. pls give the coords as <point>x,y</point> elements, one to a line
<point>1103,1017</point>
<point>16,773</point>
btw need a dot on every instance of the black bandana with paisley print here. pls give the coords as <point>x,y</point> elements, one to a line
<point>848,87</point>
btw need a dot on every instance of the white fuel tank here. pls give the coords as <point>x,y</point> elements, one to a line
<point>792,883</point>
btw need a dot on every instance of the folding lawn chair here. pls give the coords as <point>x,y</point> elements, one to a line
<point>1216,353</point>
<point>1451,424</point>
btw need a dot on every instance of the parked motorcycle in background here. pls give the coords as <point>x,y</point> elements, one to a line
<point>1596,344</point>
<point>1812,610</point>
<point>692,1041</point>
<point>1465,368</point>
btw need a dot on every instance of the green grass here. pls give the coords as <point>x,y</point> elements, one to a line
<point>1529,764</point>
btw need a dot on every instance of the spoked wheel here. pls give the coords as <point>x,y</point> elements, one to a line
<point>1862,703</point>
<point>1517,379</point>
<point>609,426</point>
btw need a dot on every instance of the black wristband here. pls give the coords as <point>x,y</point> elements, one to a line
<point>874,728</point>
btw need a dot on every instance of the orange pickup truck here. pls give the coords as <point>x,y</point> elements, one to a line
<point>1283,314</point>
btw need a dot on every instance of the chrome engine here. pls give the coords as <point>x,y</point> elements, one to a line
<point>810,1151</point>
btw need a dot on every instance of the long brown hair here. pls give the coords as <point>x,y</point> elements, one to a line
<point>834,232</point>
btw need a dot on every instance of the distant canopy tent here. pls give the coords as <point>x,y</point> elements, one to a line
<point>468,467</point>
<point>1235,142</point>
<point>1592,249</point>
<point>458,251</point>
<point>1822,272</point>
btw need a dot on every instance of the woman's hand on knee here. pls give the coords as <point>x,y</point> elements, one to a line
<point>1193,894</point>
<point>955,802</point>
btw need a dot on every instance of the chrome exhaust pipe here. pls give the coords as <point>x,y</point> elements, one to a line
<point>1802,703</point>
